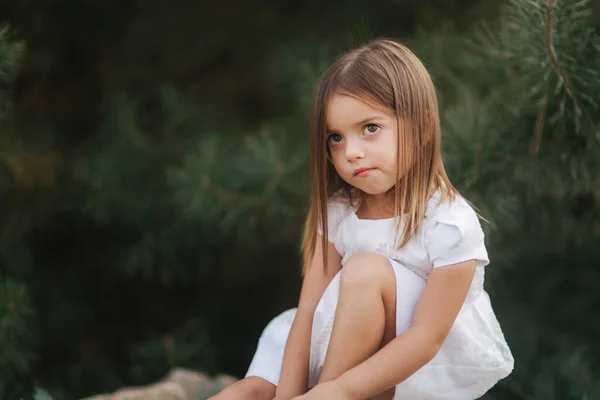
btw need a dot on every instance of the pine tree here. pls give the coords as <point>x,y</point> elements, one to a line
<point>187,223</point>
<point>523,141</point>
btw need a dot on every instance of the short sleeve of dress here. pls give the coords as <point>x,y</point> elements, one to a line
<point>454,235</point>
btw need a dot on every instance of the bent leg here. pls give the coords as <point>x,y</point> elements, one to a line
<point>250,388</point>
<point>365,316</point>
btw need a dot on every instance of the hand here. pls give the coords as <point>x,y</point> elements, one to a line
<point>329,390</point>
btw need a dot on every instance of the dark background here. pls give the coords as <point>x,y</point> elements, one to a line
<point>154,178</point>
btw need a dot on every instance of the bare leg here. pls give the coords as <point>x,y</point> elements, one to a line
<point>366,307</point>
<point>251,388</point>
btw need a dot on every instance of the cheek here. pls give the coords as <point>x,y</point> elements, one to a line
<point>336,153</point>
<point>388,140</point>
<point>390,152</point>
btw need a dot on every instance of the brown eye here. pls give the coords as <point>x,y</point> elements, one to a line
<point>371,129</point>
<point>334,139</point>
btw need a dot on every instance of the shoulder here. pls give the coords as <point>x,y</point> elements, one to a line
<point>457,212</point>
<point>452,232</point>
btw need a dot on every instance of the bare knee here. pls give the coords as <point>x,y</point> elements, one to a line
<point>367,269</point>
<point>251,388</point>
<point>371,274</point>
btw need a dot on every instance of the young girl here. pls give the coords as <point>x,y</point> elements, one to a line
<point>392,303</point>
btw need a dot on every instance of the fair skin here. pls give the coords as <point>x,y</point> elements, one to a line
<point>362,140</point>
<point>361,136</point>
<point>364,136</point>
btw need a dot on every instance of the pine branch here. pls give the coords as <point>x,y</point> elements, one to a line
<point>536,140</point>
<point>550,7</point>
<point>231,197</point>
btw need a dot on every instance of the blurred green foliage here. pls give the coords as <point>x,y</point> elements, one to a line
<point>154,178</point>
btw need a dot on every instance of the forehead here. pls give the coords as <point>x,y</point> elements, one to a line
<point>344,111</point>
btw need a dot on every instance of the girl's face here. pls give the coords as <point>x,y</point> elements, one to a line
<point>363,142</point>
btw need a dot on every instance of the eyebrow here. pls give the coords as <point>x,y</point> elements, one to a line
<point>361,122</point>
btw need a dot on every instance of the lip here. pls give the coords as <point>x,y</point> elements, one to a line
<point>362,171</point>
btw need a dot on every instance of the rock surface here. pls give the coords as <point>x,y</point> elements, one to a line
<point>180,384</point>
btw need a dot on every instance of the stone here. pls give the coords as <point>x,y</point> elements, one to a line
<point>179,384</point>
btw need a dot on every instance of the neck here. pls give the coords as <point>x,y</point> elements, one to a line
<point>379,206</point>
<point>382,205</point>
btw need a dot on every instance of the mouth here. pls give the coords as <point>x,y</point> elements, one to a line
<point>362,171</point>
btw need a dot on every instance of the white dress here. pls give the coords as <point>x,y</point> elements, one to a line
<point>474,356</point>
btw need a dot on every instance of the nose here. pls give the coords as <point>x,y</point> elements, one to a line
<point>354,150</point>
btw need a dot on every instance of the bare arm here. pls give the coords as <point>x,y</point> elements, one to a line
<point>294,370</point>
<point>436,311</point>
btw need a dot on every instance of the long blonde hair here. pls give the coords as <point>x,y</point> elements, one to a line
<point>388,74</point>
